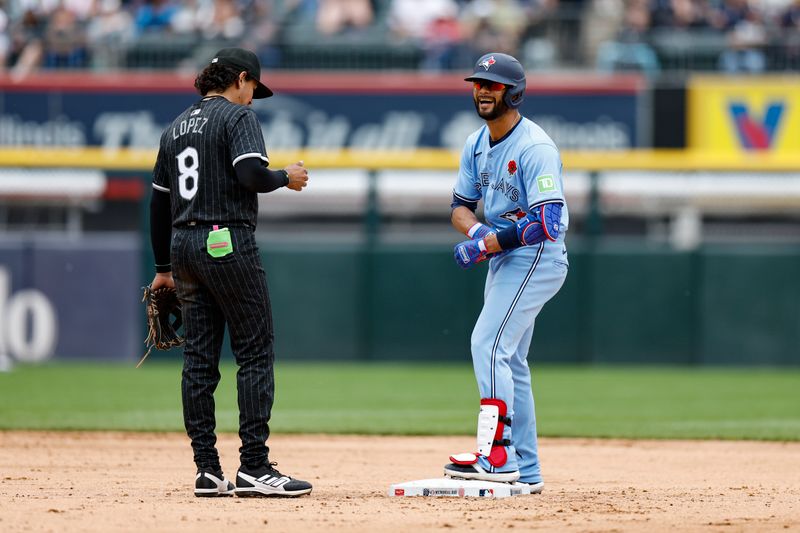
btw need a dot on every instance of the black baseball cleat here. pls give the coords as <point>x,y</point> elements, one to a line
<point>267,481</point>
<point>474,471</point>
<point>210,484</point>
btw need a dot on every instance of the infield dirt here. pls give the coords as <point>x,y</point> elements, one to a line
<point>73,481</point>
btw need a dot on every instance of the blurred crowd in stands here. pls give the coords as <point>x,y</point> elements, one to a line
<point>651,36</point>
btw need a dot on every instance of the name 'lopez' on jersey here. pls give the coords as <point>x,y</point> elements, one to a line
<point>192,125</point>
<point>200,149</point>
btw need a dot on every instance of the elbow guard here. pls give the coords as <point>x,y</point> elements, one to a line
<point>542,224</point>
<point>549,216</point>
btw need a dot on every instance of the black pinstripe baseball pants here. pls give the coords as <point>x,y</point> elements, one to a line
<point>229,290</point>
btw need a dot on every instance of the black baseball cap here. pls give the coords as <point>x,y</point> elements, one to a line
<point>246,61</point>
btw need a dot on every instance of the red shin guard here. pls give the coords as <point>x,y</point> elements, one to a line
<point>491,422</point>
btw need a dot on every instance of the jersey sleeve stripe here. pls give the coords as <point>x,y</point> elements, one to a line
<point>549,201</point>
<point>160,188</point>
<point>464,198</point>
<point>251,154</point>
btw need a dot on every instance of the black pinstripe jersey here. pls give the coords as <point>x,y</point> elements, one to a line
<point>196,158</point>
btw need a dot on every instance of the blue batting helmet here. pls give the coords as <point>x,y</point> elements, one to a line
<point>504,69</point>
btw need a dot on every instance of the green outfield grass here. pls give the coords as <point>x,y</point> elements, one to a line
<point>418,399</point>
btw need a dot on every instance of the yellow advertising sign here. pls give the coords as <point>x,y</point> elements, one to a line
<point>741,114</point>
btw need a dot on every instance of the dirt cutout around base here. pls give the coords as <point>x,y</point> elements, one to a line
<point>94,481</point>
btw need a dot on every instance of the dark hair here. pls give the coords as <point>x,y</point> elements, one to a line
<point>216,78</point>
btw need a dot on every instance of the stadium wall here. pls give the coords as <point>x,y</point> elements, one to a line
<point>70,298</point>
<point>621,303</point>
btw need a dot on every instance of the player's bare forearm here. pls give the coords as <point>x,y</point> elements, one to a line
<point>463,219</point>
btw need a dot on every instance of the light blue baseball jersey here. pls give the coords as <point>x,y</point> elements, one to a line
<point>516,174</point>
<point>520,172</point>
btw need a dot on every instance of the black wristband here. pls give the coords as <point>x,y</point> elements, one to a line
<point>508,238</point>
<point>286,174</point>
<point>160,269</point>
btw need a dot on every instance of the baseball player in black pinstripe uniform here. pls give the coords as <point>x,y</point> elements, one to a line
<point>211,163</point>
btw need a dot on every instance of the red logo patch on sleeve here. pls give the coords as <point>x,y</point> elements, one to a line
<point>512,167</point>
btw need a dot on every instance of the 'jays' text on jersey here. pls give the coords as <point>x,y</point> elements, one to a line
<point>518,173</point>
<point>196,158</point>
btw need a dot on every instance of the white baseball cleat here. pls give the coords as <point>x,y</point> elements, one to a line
<point>267,481</point>
<point>536,488</point>
<point>475,471</point>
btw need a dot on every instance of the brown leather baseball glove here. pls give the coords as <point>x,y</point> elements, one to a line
<point>162,332</point>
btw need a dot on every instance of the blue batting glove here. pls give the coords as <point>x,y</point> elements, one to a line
<point>470,252</point>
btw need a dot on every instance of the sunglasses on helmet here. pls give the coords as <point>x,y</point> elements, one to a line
<point>491,85</point>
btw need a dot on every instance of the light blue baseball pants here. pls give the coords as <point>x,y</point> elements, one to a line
<point>517,287</point>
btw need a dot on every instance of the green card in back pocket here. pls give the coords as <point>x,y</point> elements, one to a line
<point>219,242</point>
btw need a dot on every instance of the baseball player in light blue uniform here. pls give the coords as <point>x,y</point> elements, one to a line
<point>515,168</point>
